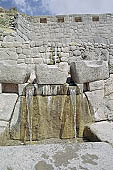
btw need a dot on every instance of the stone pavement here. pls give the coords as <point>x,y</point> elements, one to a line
<point>65,156</point>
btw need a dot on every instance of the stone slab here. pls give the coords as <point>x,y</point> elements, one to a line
<point>96,101</point>
<point>89,71</point>
<point>109,85</point>
<point>51,116</point>
<point>50,75</point>
<point>3,126</point>
<point>12,74</point>
<point>7,103</point>
<point>71,156</point>
<point>108,92</point>
<point>100,131</point>
<point>96,85</point>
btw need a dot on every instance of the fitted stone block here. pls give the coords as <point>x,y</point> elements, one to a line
<point>89,71</point>
<point>108,92</point>
<point>51,117</point>
<point>50,75</point>
<point>96,85</point>
<point>7,103</point>
<point>12,74</point>
<point>96,101</point>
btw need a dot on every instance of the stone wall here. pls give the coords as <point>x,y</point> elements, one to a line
<point>64,29</point>
<point>35,52</point>
<point>65,58</point>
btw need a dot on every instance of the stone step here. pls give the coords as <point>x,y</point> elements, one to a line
<point>70,156</point>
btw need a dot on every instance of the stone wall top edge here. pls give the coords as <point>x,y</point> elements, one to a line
<point>85,17</point>
<point>70,15</point>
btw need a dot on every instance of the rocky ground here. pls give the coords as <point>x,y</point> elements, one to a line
<point>60,156</point>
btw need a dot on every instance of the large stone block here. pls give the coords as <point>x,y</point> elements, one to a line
<point>3,126</point>
<point>72,156</point>
<point>50,75</point>
<point>108,92</point>
<point>100,131</point>
<point>51,117</point>
<point>12,74</point>
<point>15,120</point>
<point>89,71</point>
<point>84,113</point>
<point>7,103</point>
<point>96,102</point>
<point>109,85</point>
<point>96,85</point>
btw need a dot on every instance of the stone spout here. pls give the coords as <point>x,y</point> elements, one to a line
<point>32,77</point>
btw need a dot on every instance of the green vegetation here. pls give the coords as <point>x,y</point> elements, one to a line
<point>6,16</point>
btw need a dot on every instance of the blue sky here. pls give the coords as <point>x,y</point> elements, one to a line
<point>53,7</point>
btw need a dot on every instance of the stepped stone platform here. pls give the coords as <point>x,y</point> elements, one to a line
<point>72,156</point>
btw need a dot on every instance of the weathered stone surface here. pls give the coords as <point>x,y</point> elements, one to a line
<point>52,117</point>
<point>64,67</point>
<point>3,126</point>
<point>52,90</point>
<point>12,74</point>
<point>21,61</point>
<point>74,156</point>
<point>14,125</point>
<point>96,100</point>
<point>89,71</point>
<point>96,85</point>
<point>100,131</point>
<point>0,88</point>
<point>4,133</point>
<point>111,66</point>
<point>109,85</point>
<point>84,113</point>
<point>50,75</point>
<point>109,106</point>
<point>109,97</point>
<point>74,59</point>
<point>104,55</point>
<point>7,103</point>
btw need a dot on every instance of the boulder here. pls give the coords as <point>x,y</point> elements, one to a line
<point>89,71</point>
<point>50,75</point>
<point>100,131</point>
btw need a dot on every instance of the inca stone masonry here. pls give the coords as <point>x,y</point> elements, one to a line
<point>56,76</point>
<point>56,82</point>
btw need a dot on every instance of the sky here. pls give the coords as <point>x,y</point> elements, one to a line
<point>55,7</point>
